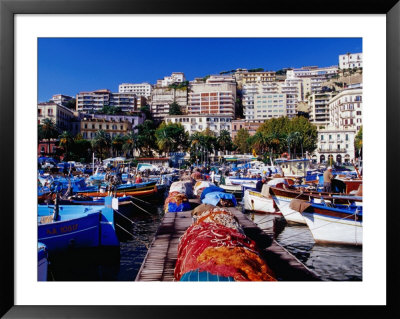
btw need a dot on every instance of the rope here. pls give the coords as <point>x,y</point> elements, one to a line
<point>141,208</point>
<point>133,236</point>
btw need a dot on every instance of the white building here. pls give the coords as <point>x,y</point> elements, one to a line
<point>350,61</point>
<point>197,123</point>
<point>140,89</point>
<point>252,89</point>
<point>162,97</point>
<point>61,99</point>
<point>96,100</point>
<point>337,144</point>
<point>267,106</point>
<point>175,77</point>
<point>345,110</point>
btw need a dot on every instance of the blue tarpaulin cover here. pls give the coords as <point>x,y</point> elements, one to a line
<point>211,189</point>
<point>213,198</point>
<point>173,208</point>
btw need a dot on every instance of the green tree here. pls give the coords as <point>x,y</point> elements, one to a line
<point>146,140</point>
<point>81,149</point>
<point>241,141</point>
<point>71,104</point>
<point>66,142</point>
<point>201,144</point>
<point>171,137</point>
<point>225,141</point>
<point>175,109</point>
<point>48,130</point>
<point>101,143</point>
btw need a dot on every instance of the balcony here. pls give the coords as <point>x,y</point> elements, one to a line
<point>334,150</point>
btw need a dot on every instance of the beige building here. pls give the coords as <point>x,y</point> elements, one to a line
<point>88,127</point>
<point>345,109</point>
<point>162,97</point>
<point>59,114</point>
<point>140,89</point>
<point>243,77</point>
<point>250,126</point>
<point>216,96</point>
<point>96,100</point>
<point>175,77</point>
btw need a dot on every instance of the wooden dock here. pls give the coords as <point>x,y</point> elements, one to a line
<point>159,263</point>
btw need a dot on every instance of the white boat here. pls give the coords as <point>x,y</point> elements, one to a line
<point>257,202</point>
<point>335,225</point>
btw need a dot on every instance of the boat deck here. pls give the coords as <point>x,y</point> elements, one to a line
<point>159,263</point>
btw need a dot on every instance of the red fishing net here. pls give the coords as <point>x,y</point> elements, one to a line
<point>215,248</point>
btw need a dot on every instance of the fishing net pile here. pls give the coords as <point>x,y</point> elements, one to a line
<point>178,197</point>
<point>219,216</point>
<point>176,202</point>
<point>214,248</point>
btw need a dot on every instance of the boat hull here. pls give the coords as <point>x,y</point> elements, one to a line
<point>328,228</point>
<point>254,201</point>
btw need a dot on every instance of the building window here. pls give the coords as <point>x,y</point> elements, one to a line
<point>330,136</point>
<point>347,137</point>
<point>92,125</point>
<point>322,137</point>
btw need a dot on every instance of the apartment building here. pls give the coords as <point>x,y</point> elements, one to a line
<point>267,106</point>
<point>250,90</point>
<point>175,77</point>
<point>337,144</point>
<point>250,126</point>
<point>140,89</point>
<point>61,99</point>
<point>88,127</point>
<point>162,97</point>
<point>319,108</point>
<point>215,96</point>
<point>96,100</point>
<point>350,61</point>
<point>345,109</point>
<point>196,123</point>
<point>59,114</point>
<point>294,90</point>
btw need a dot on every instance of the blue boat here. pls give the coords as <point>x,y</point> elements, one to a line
<point>42,262</point>
<point>77,226</point>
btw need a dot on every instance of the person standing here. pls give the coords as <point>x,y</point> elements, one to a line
<point>328,180</point>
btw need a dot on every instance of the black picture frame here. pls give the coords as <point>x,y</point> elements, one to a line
<point>8,8</point>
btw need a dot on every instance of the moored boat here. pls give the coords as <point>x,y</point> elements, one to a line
<point>42,262</point>
<point>337,224</point>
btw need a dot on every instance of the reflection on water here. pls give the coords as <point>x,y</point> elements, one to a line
<point>330,262</point>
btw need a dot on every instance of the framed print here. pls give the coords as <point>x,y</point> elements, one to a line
<point>183,50</point>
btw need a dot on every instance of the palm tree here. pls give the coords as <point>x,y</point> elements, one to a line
<point>48,130</point>
<point>66,141</point>
<point>129,143</point>
<point>117,143</point>
<point>101,142</point>
<point>225,141</point>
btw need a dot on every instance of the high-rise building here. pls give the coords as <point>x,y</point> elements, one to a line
<point>96,100</point>
<point>216,96</point>
<point>268,106</point>
<point>162,97</point>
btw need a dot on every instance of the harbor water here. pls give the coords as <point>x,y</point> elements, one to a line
<point>330,262</point>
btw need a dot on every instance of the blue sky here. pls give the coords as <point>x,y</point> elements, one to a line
<point>72,65</point>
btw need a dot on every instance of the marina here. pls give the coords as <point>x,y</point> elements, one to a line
<point>149,230</point>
